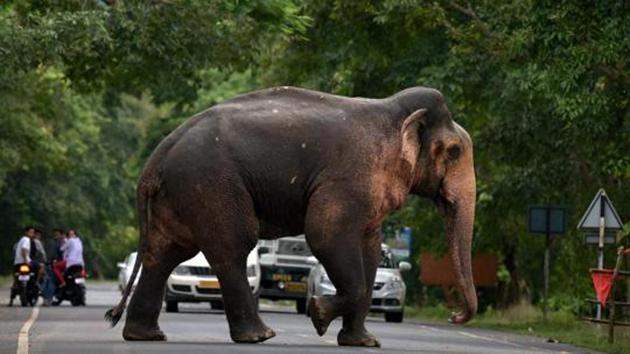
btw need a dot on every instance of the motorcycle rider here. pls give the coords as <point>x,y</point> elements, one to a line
<point>59,262</point>
<point>23,250</point>
<point>73,250</point>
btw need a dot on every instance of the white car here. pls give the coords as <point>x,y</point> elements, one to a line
<point>388,294</point>
<point>194,281</point>
<point>126,268</point>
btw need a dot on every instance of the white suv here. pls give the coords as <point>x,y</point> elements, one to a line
<point>194,281</point>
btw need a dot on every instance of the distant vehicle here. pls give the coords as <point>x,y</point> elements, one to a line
<point>285,269</point>
<point>388,294</point>
<point>25,286</point>
<point>126,268</point>
<point>195,281</point>
<point>74,291</point>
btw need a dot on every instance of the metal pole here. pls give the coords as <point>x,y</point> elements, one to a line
<point>602,234</point>
<point>546,267</point>
<point>546,294</point>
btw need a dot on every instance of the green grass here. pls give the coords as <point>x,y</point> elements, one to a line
<point>5,280</point>
<point>528,320</point>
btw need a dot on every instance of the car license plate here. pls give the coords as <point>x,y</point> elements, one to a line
<point>24,277</point>
<point>79,280</point>
<point>209,284</point>
<point>296,287</point>
<point>281,277</point>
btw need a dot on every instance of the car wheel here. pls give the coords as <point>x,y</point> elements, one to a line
<point>171,306</point>
<point>394,316</point>
<point>300,306</point>
<point>257,302</point>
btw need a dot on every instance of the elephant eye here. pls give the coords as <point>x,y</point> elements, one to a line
<point>453,152</point>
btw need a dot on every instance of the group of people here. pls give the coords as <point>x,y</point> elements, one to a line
<point>68,252</point>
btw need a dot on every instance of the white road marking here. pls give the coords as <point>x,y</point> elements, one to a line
<point>22,347</point>
<point>431,328</point>
<point>491,339</point>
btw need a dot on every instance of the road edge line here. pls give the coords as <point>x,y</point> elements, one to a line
<point>22,347</point>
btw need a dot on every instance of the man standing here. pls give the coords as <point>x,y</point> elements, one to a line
<point>38,255</point>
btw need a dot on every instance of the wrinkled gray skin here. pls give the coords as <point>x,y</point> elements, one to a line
<point>284,161</point>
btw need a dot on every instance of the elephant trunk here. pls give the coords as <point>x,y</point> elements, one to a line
<point>457,202</point>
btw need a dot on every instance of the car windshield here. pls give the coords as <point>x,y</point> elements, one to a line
<point>386,260</point>
<point>294,248</point>
<point>132,258</point>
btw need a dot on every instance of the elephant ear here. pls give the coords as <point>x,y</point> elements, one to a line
<point>410,132</point>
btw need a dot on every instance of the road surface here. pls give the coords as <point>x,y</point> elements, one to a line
<point>197,329</point>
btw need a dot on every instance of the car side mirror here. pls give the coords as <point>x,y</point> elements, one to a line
<point>404,266</point>
<point>121,265</point>
<point>262,250</point>
<point>311,260</point>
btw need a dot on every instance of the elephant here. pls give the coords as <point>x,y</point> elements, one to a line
<point>285,161</point>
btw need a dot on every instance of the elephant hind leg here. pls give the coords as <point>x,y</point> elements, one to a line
<point>226,245</point>
<point>159,260</point>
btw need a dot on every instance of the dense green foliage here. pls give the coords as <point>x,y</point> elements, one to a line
<point>88,90</point>
<point>80,84</point>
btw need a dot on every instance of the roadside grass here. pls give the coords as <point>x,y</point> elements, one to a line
<point>5,280</point>
<point>528,320</point>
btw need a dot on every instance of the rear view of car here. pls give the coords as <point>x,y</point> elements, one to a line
<point>285,270</point>
<point>195,281</point>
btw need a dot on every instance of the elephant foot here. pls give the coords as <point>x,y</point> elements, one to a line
<point>141,333</point>
<point>321,314</point>
<point>357,339</point>
<point>256,334</point>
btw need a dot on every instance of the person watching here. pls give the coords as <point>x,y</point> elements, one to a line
<point>59,265</point>
<point>38,254</point>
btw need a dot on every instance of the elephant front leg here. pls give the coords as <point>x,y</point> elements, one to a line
<point>338,242</point>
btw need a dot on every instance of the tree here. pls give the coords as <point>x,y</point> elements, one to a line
<point>541,86</point>
<point>79,83</point>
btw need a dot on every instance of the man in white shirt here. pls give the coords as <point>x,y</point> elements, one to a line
<point>23,249</point>
<point>73,250</point>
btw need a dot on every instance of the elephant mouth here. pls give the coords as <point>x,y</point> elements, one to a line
<point>441,202</point>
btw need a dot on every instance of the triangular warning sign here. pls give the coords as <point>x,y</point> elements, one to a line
<point>591,218</point>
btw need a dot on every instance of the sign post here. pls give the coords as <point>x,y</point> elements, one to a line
<point>548,220</point>
<point>601,219</point>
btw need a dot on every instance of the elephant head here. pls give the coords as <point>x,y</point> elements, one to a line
<point>440,153</point>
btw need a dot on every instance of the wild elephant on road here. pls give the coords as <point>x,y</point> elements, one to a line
<point>285,161</point>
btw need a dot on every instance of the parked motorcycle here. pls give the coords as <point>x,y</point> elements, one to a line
<point>74,291</point>
<point>25,286</point>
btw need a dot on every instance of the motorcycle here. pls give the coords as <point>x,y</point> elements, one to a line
<point>74,291</point>
<point>25,286</point>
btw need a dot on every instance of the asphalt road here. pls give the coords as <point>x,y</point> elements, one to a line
<point>197,329</point>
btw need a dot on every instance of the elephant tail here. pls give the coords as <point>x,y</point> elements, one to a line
<point>144,193</point>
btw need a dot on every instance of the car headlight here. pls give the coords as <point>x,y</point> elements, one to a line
<point>181,270</point>
<point>251,271</point>
<point>395,283</point>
